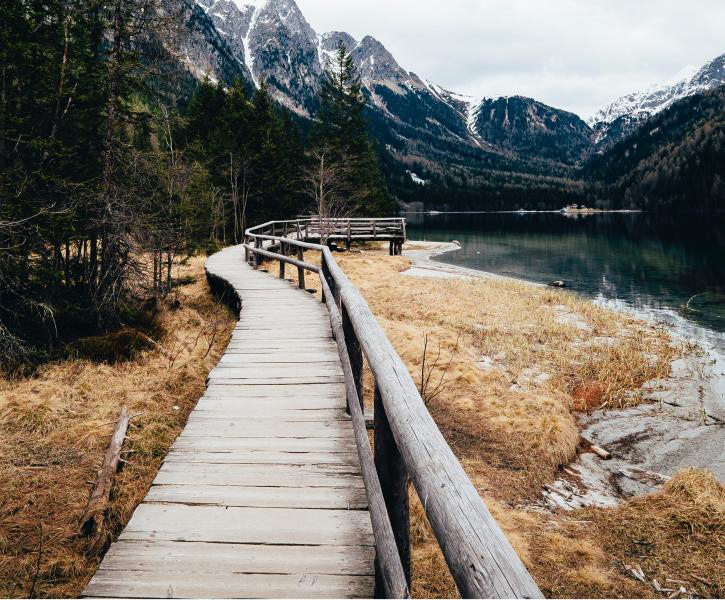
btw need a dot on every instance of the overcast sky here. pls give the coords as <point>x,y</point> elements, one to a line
<point>577,55</point>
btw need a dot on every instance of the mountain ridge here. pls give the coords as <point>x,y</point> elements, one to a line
<point>441,135</point>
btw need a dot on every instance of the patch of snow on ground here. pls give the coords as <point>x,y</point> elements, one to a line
<point>416,179</point>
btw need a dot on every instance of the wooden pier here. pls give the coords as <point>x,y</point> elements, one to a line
<point>273,489</point>
<point>261,495</point>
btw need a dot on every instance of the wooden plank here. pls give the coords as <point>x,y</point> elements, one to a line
<point>313,476</point>
<point>295,339</point>
<point>305,424</point>
<point>269,416</point>
<point>279,359</point>
<point>275,347</point>
<point>213,444</point>
<point>269,406</point>
<point>204,558</point>
<point>264,371</point>
<point>243,428</point>
<point>261,457</point>
<point>133,584</point>
<point>236,525</point>
<point>218,377</point>
<point>327,497</point>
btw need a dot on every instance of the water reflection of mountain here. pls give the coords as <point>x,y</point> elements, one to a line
<point>644,259</point>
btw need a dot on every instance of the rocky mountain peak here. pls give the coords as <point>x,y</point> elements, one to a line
<point>623,116</point>
<point>285,13</point>
<point>658,97</point>
<point>331,40</point>
<point>376,63</point>
<point>711,75</point>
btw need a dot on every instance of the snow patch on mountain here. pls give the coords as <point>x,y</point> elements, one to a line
<point>658,97</point>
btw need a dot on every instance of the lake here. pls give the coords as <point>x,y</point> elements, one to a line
<point>650,264</point>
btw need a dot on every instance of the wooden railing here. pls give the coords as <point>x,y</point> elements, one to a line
<point>408,444</point>
<point>349,230</point>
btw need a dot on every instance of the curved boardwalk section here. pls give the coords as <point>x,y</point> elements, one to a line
<point>261,495</point>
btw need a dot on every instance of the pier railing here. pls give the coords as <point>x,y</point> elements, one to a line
<point>408,446</point>
<point>348,230</point>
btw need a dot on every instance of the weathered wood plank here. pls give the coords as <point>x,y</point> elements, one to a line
<point>280,360</point>
<point>247,428</point>
<point>204,558</point>
<point>134,584</point>
<point>236,525</point>
<point>267,405</point>
<point>255,475</point>
<point>261,457</point>
<point>327,497</point>
<point>283,371</point>
<point>268,415</point>
<point>220,377</point>
<point>213,444</point>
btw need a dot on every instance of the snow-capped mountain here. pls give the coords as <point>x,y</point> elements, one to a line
<point>273,42</point>
<point>621,117</point>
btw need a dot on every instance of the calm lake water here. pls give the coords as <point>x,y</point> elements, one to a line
<point>649,264</point>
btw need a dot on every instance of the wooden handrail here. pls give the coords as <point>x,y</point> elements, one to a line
<point>391,573</point>
<point>478,554</point>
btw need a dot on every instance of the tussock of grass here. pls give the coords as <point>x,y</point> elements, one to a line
<point>676,533</point>
<point>55,428</point>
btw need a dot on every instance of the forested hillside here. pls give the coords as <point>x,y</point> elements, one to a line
<point>110,175</point>
<point>674,161</point>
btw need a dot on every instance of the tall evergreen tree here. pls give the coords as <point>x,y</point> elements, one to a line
<point>342,137</point>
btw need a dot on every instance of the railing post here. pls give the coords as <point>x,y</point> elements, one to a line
<point>325,271</point>
<point>394,483</point>
<point>349,235</point>
<point>356,355</point>
<point>257,259</point>
<point>246,252</point>
<point>281,269</point>
<point>300,270</point>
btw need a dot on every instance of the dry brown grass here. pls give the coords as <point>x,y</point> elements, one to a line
<point>502,420</point>
<point>55,428</point>
<point>512,433</point>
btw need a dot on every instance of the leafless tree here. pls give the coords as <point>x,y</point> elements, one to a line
<point>239,184</point>
<point>434,372</point>
<point>326,182</point>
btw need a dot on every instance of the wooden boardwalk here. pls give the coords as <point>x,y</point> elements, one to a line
<point>261,495</point>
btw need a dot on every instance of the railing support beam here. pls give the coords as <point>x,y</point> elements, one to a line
<point>356,355</point>
<point>394,482</point>
<point>300,270</point>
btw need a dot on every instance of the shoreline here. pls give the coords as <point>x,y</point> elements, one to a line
<point>423,264</point>
<point>680,423</point>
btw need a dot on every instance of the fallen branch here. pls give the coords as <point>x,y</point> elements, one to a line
<point>643,476</point>
<point>600,452</point>
<point>93,517</point>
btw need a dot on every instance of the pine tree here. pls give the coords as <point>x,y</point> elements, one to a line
<point>342,136</point>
